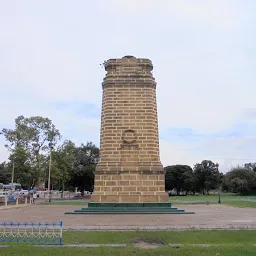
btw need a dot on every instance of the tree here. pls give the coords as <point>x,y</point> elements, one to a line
<point>86,158</point>
<point>22,161</point>
<point>63,163</point>
<point>5,173</point>
<point>206,176</point>
<point>178,177</point>
<point>35,135</point>
<point>240,180</point>
<point>250,166</point>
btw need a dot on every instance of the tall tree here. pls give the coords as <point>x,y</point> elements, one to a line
<point>250,166</point>
<point>206,176</point>
<point>35,135</point>
<point>240,180</point>
<point>178,177</point>
<point>5,173</point>
<point>86,158</point>
<point>63,163</point>
<point>23,171</point>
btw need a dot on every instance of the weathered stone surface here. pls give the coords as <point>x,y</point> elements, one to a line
<point>129,144</point>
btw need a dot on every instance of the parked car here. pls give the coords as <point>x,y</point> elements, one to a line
<point>5,193</point>
<point>24,192</point>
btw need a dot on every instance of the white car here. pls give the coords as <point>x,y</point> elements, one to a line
<point>4,193</point>
<point>23,192</point>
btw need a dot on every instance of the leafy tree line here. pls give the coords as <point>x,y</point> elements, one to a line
<point>205,176</point>
<point>241,179</point>
<point>34,139</point>
<point>30,144</point>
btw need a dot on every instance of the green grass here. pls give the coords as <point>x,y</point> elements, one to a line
<point>210,197</point>
<point>234,200</point>
<point>188,237</point>
<point>163,237</point>
<point>241,204</point>
<point>227,199</point>
<point>234,243</point>
<point>65,203</point>
<point>130,251</point>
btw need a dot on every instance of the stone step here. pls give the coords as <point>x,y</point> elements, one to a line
<point>129,209</point>
<point>164,204</point>
<point>130,212</point>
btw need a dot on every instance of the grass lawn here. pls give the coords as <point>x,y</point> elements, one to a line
<point>241,204</point>
<point>234,243</point>
<point>163,237</point>
<point>234,200</point>
<point>131,251</point>
<point>82,203</point>
<point>211,197</point>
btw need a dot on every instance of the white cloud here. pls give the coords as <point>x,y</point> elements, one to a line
<point>206,96</point>
<point>171,153</point>
<point>202,52</point>
<point>221,14</point>
<point>227,152</point>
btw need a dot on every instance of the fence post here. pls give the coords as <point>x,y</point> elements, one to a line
<point>26,200</point>
<point>6,201</point>
<point>17,201</point>
<point>61,233</point>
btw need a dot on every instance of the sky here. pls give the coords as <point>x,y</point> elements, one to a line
<point>203,52</point>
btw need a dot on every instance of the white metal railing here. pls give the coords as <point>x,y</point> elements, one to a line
<point>37,233</point>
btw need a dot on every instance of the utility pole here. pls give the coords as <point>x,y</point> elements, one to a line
<point>49,176</point>
<point>219,191</point>
<point>12,172</point>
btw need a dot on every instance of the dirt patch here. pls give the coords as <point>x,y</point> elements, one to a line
<point>146,245</point>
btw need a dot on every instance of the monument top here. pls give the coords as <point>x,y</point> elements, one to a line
<point>128,61</point>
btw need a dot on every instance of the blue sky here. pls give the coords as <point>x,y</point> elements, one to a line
<point>204,60</point>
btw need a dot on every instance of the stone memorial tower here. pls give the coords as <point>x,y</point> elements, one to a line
<point>129,170</point>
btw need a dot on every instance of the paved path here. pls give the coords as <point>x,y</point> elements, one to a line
<point>8,207</point>
<point>205,217</point>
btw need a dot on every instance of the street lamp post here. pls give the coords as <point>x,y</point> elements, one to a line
<point>219,191</point>
<point>219,197</point>
<point>12,171</point>
<point>49,176</point>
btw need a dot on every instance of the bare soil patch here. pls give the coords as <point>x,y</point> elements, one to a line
<point>147,245</point>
